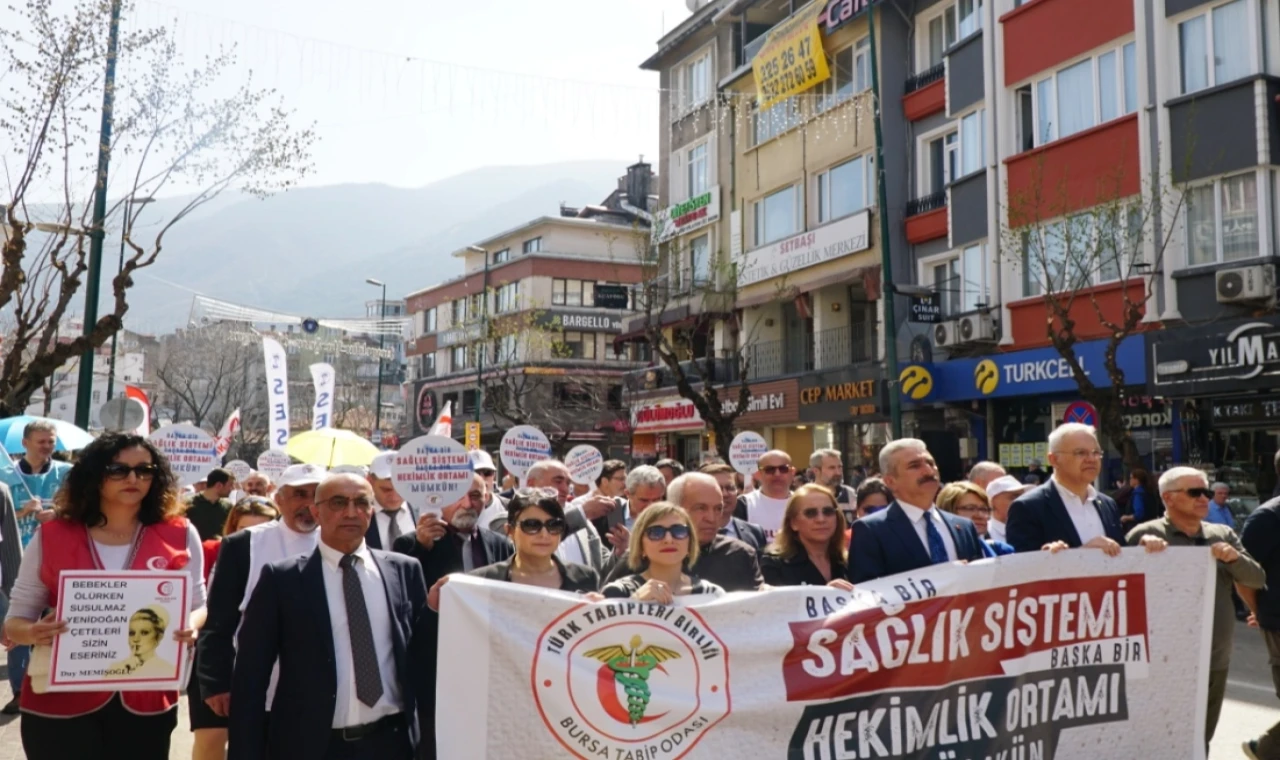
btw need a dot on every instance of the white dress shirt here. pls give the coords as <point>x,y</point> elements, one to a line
<point>348,710</point>
<point>404,519</point>
<point>1084,515</point>
<point>917,517</point>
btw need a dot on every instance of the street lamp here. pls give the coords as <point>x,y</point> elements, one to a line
<point>382,314</point>
<point>124,229</point>
<point>484,329</point>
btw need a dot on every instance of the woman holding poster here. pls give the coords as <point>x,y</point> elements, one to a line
<point>117,510</point>
<point>809,549</point>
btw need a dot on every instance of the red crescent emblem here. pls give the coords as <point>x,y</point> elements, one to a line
<point>607,691</point>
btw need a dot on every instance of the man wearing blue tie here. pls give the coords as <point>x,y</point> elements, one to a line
<point>912,533</point>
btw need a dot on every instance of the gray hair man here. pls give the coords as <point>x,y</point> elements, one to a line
<point>584,546</point>
<point>982,473</point>
<point>828,471</point>
<point>1185,493</point>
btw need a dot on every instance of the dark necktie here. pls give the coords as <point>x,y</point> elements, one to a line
<point>363,655</point>
<point>937,549</point>
<point>478,560</point>
<point>393,527</point>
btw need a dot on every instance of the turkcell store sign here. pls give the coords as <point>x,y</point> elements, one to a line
<point>698,211</point>
<point>1019,373</point>
<point>827,243</point>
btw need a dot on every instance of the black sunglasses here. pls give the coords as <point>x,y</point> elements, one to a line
<point>776,469</point>
<point>530,526</point>
<point>117,471</point>
<point>659,532</point>
<point>1197,493</point>
<point>813,512</point>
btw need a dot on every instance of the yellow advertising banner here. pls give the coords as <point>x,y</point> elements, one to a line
<point>473,436</point>
<point>792,59</point>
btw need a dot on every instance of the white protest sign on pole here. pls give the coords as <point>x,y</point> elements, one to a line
<point>120,626</point>
<point>191,451</point>
<point>1047,656</point>
<point>745,450</point>
<point>325,382</point>
<point>273,463</point>
<point>432,472</point>
<point>239,468</point>
<point>585,464</point>
<point>522,447</point>
<point>277,392</point>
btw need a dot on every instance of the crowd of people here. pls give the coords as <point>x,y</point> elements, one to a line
<point>316,598</point>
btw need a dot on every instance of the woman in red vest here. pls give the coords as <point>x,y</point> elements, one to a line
<point>117,510</point>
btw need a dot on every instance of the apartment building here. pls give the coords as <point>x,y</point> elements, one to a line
<point>526,334</point>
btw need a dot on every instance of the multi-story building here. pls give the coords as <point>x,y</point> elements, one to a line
<point>526,334</point>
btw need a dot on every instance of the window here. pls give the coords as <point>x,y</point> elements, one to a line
<point>532,245</point>
<point>961,281</point>
<point>777,215</point>
<point>971,148</point>
<point>693,84</point>
<point>940,163</point>
<point>846,188</point>
<point>573,396</point>
<point>468,401</point>
<point>573,292</point>
<point>942,35</point>
<point>697,167</point>
<point>506,298</point>
<point>840,86</point>
<point>970,14</point>
<point>1081,251</point>
<point>459,309</point>
<point>700,259</point>
<point>576,345</point>
<point>1219,36</point>
<point>459,358</point>
<point>500,257</point>
<point>1078,97</point>
<point>429,320</point>
<point>427,365</point>
<point>778,118</point>
<point>862,65</point>
<point>1222,220</point>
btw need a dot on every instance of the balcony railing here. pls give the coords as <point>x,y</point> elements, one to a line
<point>925,78</point>
<point>827,349</point>
<point>930,202</point>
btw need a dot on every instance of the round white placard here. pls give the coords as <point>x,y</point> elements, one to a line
<point>239,468</point>
<point>272,463</point>
<point>745,451</point>
<point>522,447</point>
<point>432,472</point>
<point>191,451</point>
<point>585,464</point>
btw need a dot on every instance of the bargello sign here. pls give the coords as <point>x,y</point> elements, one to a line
<point>1239,355</point>
<point>557,319</point>
<point>827,243</point>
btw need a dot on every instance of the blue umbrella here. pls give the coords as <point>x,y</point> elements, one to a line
<point>70,437</point>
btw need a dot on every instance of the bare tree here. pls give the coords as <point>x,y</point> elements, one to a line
<point>178,129</point>
<point>1062,252</point>
<point>203,377</point>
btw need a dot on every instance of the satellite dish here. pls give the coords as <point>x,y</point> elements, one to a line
<point>122,413</point>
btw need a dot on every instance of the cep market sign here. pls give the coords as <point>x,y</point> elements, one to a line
<point>1019,373</point>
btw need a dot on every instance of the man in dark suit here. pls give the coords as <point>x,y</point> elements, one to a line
<point>911,533</point>
<point>730,524</point>
<point>393,518</point>
<point>1066,512</point>
<point>346,623</point>
<point>454,541</point>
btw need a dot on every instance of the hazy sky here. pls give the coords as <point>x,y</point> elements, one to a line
<point>410,91</point>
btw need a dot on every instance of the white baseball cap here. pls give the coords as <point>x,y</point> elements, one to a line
<point>302,475</point>
<point>380,467</point>
<point>480,460</point>
<point>1005,484</point>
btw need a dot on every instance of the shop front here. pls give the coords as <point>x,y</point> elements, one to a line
<point>774,412</point>
<point>848,411</point>
<point>1002,407</point>
<point>1221,382</point>
<point>669,428</point>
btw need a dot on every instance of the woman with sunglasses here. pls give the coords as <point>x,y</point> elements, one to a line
<point>117,510</point>
<point>809,550</point>
<point>662,541</point>
<point>209,728</point>
<point>535,524</point>
<point>968,500</point>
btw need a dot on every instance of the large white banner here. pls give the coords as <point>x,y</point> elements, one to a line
<point>1072,656</point>
<point>277,392</point>
<point>326,385</point>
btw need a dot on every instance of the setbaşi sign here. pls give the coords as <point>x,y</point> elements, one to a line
<point>827,243</point>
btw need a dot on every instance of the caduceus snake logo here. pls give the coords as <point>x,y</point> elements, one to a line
<point>631,667</point>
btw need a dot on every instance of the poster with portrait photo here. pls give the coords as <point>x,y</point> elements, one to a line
<point>120,627</point>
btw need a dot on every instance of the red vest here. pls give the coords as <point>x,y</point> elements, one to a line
<point>64,545</point>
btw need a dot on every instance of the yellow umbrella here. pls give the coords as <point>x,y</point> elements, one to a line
<point>330,447</point>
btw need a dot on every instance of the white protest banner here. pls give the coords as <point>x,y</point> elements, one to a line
<point>239,468</point>
<point>277,392</point>
<point>522,447</point>
<point>120,626</point>
<point>1072,656</point>
<point>745,450</point>
<point>191,451</point>
<point>272,463</point>
<point>431,472</point>
<point>322,376</point>
<point>228,432</point>
<point>585,464</point>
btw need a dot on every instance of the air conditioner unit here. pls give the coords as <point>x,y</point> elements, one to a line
<point>1255,283</point>
<point>975,328</point>
<point>944,334</point>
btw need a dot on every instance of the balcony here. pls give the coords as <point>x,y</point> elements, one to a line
<point>925,78</point>
<point>1076,172</point>
<point>1040,35</point>
<point>926,93</point>
<point>927,218</point>
<point>826,349</point>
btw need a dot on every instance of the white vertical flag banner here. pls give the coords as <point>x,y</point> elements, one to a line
<point>229,430</point>
<point>322,377</point>
<point>444,423</point>
<point>277,392</point>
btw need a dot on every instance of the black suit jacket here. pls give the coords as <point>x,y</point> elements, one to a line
<point>1039,517</point>
<point>573,577</point>
<point>288,618</point>
<point>445,556</point>
<point>216,646</point>
<point>796,570</point>
<point>886,543</point>
<point>373,537</point>
<point>748,533</point>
